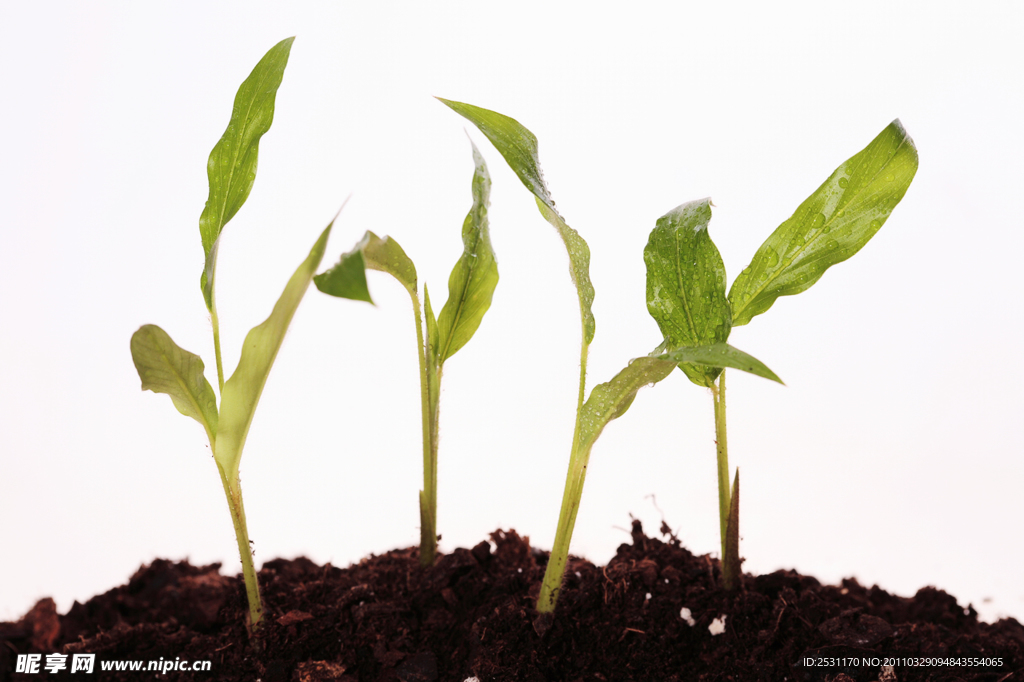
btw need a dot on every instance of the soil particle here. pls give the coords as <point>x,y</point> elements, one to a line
<point>648,615</point>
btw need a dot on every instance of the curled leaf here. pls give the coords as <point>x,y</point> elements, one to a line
<point>473,279</point>
<point>518,146</point>
<point>165,367</point>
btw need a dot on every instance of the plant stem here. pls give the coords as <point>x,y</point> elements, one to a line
<point>428,414</point>
<point>574,480</point>
<point>233,491</point>
<point>216,336</point>
<point>721,440</point>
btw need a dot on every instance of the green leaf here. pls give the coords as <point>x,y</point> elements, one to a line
<point>232,164</point>
<point>610,400</point>
<point>473,279</point>
<point>242,391</point>
<point>164,367</point>
<point>719,355</point>
<point>519,148</point>
<point>686,284</point>
<point>830,225</point>
<point>347,279</point>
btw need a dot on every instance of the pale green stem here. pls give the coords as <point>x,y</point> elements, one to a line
<point>216,335</point>
<point>233,491</point>
<point>428,414</point>
<point>718,393</point>
<point>574,480</point>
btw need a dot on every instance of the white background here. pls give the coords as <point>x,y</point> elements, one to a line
<point>893,453</point>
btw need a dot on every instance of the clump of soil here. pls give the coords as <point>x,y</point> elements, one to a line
<point>650,614</point>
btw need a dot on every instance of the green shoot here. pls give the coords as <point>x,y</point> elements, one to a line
<point>470,289</point>
<point>686,278</point>
<point>166,368</point>
<point>607,401</point>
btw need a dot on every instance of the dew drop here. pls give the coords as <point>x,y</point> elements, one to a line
<point>817,221</point>
<point>874,225</point>
<point>773,258</point>
<point>889,177</point>
<point>843,182</point>
<point>831,243</point>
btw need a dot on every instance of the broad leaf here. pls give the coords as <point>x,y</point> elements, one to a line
<point>719,355</point>
<point>164,367</point>
<point>347,279</point>
<point>519,148</point>
<point>830,225</point>
<point>232,164</point>
<point>242,391</point>
<point>473,279</point>
<point>686,284</point>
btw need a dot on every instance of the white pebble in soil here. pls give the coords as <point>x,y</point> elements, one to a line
<point>717,626</point>
<point>687,615</point>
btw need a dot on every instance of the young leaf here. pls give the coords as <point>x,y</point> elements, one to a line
<point>473,279</point>
<point>164,367</point>
<point>720,355</point>
<point>347,279</point>
<point>242,391</point>
<point>686,284</point>
<point>611,399</point>
<point>830,225</point>
<point>731,561</point>
<point>433,336</point>
<point>519,148</point>
<point>232,164</point>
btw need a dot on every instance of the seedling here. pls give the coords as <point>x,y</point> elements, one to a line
<point>686,278</point>
<point>164,367</point>
<point>607,401</point>
<point>470,288</point>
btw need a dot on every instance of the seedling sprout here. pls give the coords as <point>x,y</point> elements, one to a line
<point>164,367</point>
<point>607,401</point>
<point>686,278</point>
<point>470,289</point>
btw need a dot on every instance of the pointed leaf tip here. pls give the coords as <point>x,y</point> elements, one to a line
<point>231,167</point>
<point>518,146</point>
<point>830,226</point>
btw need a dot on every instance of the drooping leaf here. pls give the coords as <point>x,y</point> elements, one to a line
<point>831,225</point>
<point>611,399</point>
<point>242,391</point>
<point>719,355</point>
<point>232,165</point>
<point>164,367</point>
<point>473,279</point>
<point>686,284</point>
<point>347,279</point>
<point>731,561</point>
<point>519,148</point>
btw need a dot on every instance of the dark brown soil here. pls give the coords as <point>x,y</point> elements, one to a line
<point>471,614</point>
